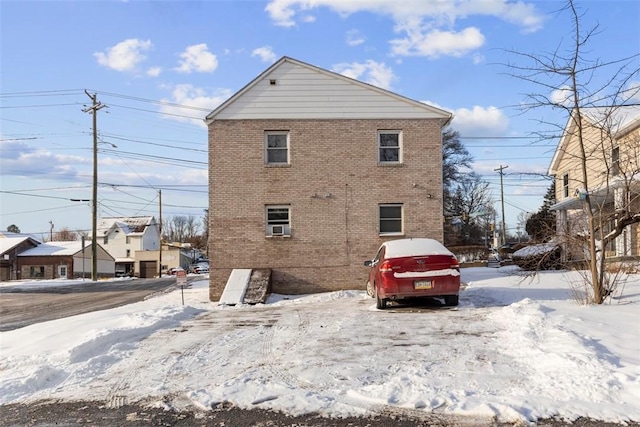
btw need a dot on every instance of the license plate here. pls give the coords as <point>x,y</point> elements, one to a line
<point>422,284</point>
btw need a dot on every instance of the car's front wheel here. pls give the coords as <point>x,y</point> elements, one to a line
<point>381,303</point>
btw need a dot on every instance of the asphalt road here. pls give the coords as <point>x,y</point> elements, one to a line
<point>21,307</point>
<point>72,414</point>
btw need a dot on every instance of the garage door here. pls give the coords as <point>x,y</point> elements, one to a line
<point>148,269</point>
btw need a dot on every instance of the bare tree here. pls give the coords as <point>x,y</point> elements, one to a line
<point>470,204</point>
<point>205,234</point>
<point>571,82</point>
<point>522,219</point>
<point>455,159</point>
<point>13,228</point>
<point>180,228</point>
<point>65,235</point>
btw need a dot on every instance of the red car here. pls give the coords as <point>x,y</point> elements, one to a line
<point>411,268</point>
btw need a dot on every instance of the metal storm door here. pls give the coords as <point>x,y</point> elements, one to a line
<point>62,271</point>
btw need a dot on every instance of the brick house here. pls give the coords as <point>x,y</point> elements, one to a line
<point>63,260</point>
<point>12,244</point>
<point>309,171</point>
<point>612,148</point>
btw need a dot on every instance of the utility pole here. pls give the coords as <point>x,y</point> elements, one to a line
<point>83,238</point>
<point>160,232</point>
<point>504,229</point>
<point>93,109</point>
<point>50,231</point>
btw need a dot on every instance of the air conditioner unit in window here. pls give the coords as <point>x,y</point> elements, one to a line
<point>277,230</point>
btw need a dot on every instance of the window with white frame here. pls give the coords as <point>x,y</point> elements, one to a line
<point>276,147</point>
<point>390,218</point>
<point>565,185</point>
<point>389,146</point>
<point>278,220</point>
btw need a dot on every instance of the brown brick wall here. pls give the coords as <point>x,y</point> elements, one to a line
<point>50,264</point>
<point>334,232</point>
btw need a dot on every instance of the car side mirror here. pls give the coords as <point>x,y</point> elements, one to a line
<point>368,263</point>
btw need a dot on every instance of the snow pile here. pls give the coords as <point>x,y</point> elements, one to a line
<point>515,350</point>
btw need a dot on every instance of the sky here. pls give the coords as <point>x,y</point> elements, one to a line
<point>158,67</point>
<point>514,350</point>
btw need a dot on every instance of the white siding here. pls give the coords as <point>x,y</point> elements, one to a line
<point>303,92</point>
<point>150,239</point>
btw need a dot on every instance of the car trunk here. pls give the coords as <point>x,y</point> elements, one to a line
<point>420,275</point>
<point>423,263</point>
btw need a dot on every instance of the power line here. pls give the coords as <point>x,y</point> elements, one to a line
<point>153,101</point>
<point>106,150</point>
<point>59,92</point>
<point>38,105</point>
<point>198,150</point>
<point>39,210</point>
<point>34,195</point>
<point>158,112</point>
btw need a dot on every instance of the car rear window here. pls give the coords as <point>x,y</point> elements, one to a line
<point>414,247</point>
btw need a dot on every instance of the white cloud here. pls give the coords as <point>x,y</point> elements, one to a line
<point>632,91</point>
<point>308,19</point>
<point>198,98</point>
<point>21,159</point>
<point>197,58</point>
<point>375,73</point>
<point>354,38</point>
<point>185,176</point>
<point>124,56</point>
<point>421,22</point>
<point>438,43</point>
<point>562,96</point>
<point>154,71</point>
<point>281,13</point>
<point>480,121</point>
<point>265,53</point>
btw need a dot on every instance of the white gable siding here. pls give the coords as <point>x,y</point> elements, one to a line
<point>151,238</point>
<point>305,93</point>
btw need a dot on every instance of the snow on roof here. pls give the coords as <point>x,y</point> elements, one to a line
<point>129,225</point>
<point>10,240</point>
<point>55,249</point>
<point>618,118</point>
<point>412,247</point>
<point>534,250</point>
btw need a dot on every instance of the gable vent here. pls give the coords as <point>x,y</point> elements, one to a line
<point>273,82</point>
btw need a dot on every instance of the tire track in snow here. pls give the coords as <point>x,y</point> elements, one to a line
<point>274,361</point>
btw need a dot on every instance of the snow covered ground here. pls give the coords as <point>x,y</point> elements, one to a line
<point>515,350</point>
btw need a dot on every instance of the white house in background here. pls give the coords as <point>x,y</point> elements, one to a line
<point>122,237</point>
<point>63,260</point>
